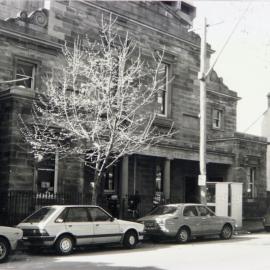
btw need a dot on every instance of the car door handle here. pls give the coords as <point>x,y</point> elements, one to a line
<point>69,226</point>
<point>204,218</point>
<point>97,225</point>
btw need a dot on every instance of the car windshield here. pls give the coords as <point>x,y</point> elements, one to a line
<point>40,215</point>
<point>163,210</point>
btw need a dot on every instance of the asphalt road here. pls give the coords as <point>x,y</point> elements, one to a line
<point>247,252</point>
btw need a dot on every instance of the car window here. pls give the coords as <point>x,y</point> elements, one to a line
<point>40,215</point>
<point>205,212</point>
<point>62,216</point>
<point>97,214</point>
<point>77,214</point>
<point>163,210</point>
<point>190,211</point>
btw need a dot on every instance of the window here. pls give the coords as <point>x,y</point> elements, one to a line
<point>205,212</point>
<point>163,210</point>
<point>98,215</point>
<point>217,118</point>
<point>190,211</point>
<point>159,174</point>
<point>163,89</point>
<point>41,215</point>
<point>45,174</point>
<point>251,174</point>
<point>77,214</point>
<point>24,69</point>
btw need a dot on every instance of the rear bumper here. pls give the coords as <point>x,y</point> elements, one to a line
<point>38,241</point>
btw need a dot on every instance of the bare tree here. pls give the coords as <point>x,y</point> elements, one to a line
<point>100,106</point>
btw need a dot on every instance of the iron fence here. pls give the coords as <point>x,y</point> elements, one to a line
<point>16,205</point>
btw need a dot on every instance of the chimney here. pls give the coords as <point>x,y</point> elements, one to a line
<point>268,100</point>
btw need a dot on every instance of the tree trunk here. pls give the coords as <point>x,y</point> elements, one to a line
<point>96,189</point>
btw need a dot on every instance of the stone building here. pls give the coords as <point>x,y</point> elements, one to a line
<point>32,39</point>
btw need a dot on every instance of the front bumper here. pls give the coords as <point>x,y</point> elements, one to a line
<point>158,232</point>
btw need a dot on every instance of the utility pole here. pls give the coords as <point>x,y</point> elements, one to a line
<point>202,78</point>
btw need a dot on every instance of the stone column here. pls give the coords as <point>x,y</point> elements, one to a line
<point>124,177</point>
<point>167,179</point>
<point>124,187</point>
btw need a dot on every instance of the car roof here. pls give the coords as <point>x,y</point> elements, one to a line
<point>71,205</point>
<point>184,204</point>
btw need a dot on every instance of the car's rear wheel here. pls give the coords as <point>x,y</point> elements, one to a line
<point>4,250</point>
<point>64,245</point>
<point>130,240</point>
<point>226,232</point>
<point>183,235</point>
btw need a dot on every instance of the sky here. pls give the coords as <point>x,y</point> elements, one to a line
<point>244,64</point>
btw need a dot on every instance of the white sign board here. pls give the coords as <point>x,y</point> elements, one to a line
<point>202,180</point>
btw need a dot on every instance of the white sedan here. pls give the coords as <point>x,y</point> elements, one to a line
<point>64,227</point>
<point>8,241</point>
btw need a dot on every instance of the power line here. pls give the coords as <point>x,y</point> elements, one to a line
<point>253,123</point>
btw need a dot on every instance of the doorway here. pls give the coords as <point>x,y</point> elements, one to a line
<point>191,189</point>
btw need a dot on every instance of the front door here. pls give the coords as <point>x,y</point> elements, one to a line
<point>106,229</point>
<point>210,222</point>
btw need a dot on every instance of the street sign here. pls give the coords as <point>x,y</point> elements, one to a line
<point>202,180</point>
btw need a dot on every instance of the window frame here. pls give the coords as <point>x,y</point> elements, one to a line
<point>165,92</point>
<point>35,70</point>
<point>219,118</point>
<point>43,168</point>
<point>251,178</point>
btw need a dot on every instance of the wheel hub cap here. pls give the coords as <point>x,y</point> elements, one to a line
<point>132,240</point>
<point>183,236</point>
<point>2,251</point>
<point>66,245</point>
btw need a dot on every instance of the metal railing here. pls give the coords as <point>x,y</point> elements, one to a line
<point>17,205</point>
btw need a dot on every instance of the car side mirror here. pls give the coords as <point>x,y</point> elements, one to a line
<point>112,219</point>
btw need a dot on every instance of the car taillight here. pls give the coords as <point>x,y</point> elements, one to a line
<point>40,232</point>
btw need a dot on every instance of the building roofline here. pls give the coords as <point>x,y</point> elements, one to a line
<point>95,5</point>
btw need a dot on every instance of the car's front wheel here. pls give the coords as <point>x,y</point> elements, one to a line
<point>226,232</point>
<point>183,235</point>
<point>130,239</point>
<point>4,250</point>
<point>64,245</point>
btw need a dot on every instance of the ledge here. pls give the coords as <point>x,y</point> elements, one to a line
<point>18,91</point>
